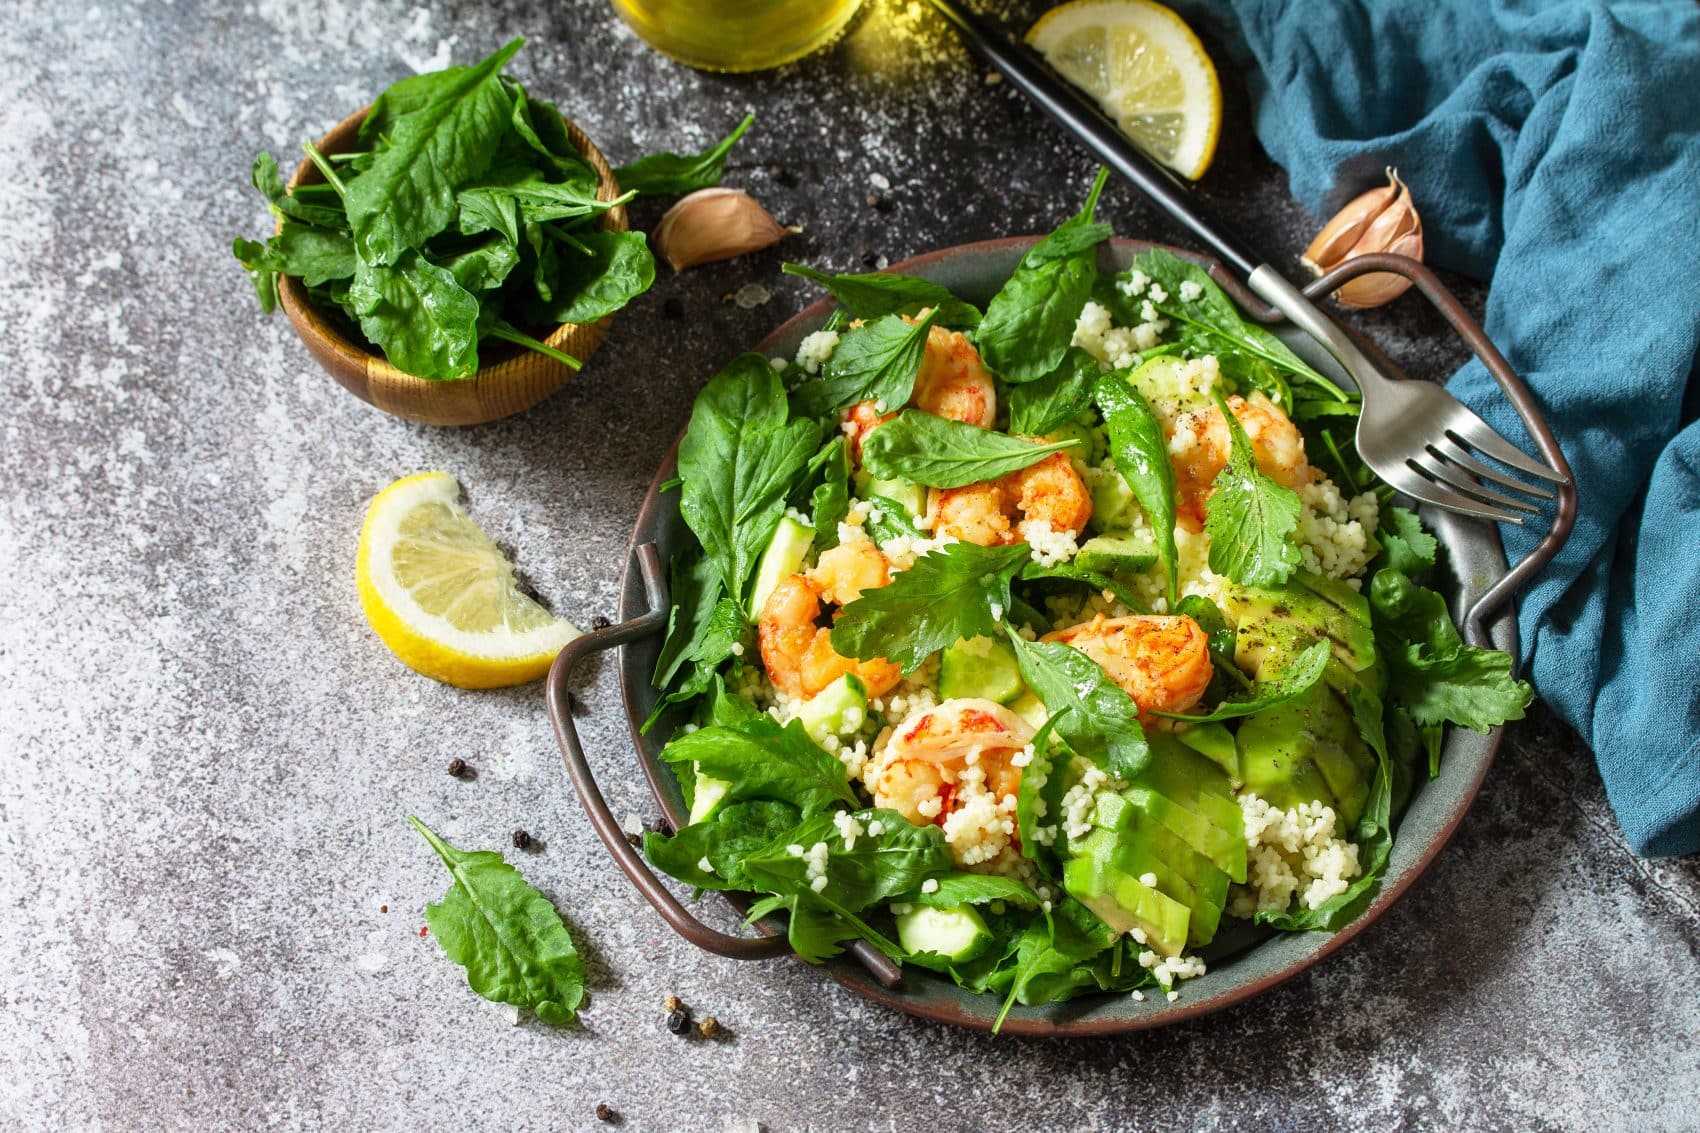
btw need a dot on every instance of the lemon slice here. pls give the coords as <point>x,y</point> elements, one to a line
<point>443,597</point>
<point>1146,69</point>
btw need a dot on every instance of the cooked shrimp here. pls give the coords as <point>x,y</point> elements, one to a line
<point>964,743</point>
<point>951,382</point>
<point>1199,447</point>
<point>998,512</point>
<point>796,650</point>
<point>1163,663</point>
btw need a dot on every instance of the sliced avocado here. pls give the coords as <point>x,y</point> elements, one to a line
<point>1117,552</point>
<point>938,938</point>
<point>1114,507</point>
<point>1030,708</point>
<point>1276,624</point>
<point>982,667</point>
<point>1225,849</point>
<point>1187,778</point>
<point>1309,739</point>
<point>1215,742</point>
<point>840,707</point>
<point>1124,903</point>
<point>913,497</point>
<point>1149,848</point>
<point>782,559</point>
<point>706,800</point>
<point>1275,760</point>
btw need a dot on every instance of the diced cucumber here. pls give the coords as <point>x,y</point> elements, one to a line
<point>1030,708</point>
<point>937,938</point>
<point>709,793</point>
<point>782,559</point>
<point>1157,378</point>
<point>840,707</point>
<point>1125,903</point>
<point>1117,552</point>
<point>1113,505</point>
<point>980,667</point>
<point>913,497</point>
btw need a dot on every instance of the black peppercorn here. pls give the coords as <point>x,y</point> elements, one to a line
<point>522,840</point>
<point>457,767</point>
<point>600,622</point>
<point>605,1112</point>
<point>679,1021</point>
<point>866,255</point>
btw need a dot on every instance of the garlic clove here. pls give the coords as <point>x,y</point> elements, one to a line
<point>715,224</point>
<point>1381,220</point>
<point>1383,287</point>
<point>1335,240</point>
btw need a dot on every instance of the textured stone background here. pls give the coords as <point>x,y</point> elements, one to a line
<point>207,757</point>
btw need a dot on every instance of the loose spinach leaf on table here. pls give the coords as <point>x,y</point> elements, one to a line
<point>738,459</point>
<point>762,760</point>
<point>1029,323</point>
<point>870,295</point>
<point>946,597</point>
<point>669,174</point>
<point>1097,718</point>
<point>424,321</point>
<point>876,361</point>
<point>1298,677</point>
<point>1250,517</point>
<point>507,935</point>
<point>940,453</point>
<point>1037,407</point>
<point>1141,454</point>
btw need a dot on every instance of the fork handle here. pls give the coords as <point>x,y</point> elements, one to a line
<point>1273,288</point>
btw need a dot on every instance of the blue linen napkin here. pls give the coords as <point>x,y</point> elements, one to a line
<point>1552,149</point>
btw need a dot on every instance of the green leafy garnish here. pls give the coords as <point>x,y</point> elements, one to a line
<point>1096,716</point>
<point>761,760</point>
<point>1029,323</point>
<point>1434,674</point>
<point>829,502</point>
<point>1297,678</point>
<point>423,320</point>
<point>870,295</point>
<point>1249,517</point>
<point>940,453</point>
<point>724,840</point>
<point>876,361</point>
<point>669,174</point>
<point>1141,455</point>
<point>507,935</point>
<point>955,593</point>
<point>738,458</point>
<point>876,867</point>
<point>1037,407</point>
<point>973,889</point>
<point>1410,550</point>
<point>612,269</point>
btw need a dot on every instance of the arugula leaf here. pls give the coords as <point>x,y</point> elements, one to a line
<point>829,503</point>
<point>669,174</point>
<point>1029,324</point>
<point>725,840</point>
<point>870,295</point>
<point>876,361</point>
<point>424,321</point>
<point>738,459</point>
<point>761,760</point>
<point>1141,454</point>
<point>585,288</point>
<point>507,935</point>
<point>946,597</point>
<point>1433,673</point>
<point>1297,678</point>
<point>408,193</point>
<point>875,868</point>
<point>1410,550</point>
<point>1098,719</point>
<point>1249,517</point>
<point>1037,407</point>
<point>1211,324</point>
<point>973,889</point>
<point>940,453</point>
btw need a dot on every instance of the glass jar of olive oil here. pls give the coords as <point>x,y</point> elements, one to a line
<point>736,35</point>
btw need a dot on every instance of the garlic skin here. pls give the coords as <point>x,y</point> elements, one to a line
<point>715,224</point>
<point>1381,220</point>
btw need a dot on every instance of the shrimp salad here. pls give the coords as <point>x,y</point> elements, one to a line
<point>1062,646</point>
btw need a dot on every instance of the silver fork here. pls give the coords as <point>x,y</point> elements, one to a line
<point>1415,435</point>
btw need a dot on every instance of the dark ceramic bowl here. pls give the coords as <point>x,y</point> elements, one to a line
<point>1244,962</point>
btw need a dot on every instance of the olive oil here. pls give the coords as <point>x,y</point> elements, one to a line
<point>736,35</point>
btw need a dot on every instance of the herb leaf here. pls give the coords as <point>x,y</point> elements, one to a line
<point>1249,517</point>
<point>1098,719</point>
<point>876,867</point>
<point>1410,550</point>
<point>1297,678</point>
<point>1037,407</point>
<point>1029,323</point>
<point>876,361</point>
<point>724,840</point>
<point>667,174</point>
<point>1141,454</point>
<point>762,760</point>
<point>873,294</point>
<point>940,453</point>
<point>946,597</point>
<point>408,193</point>
<point>1434,674</point>
<point>585,288</point>
<point>424,321</point>
<point>973,889</point>
<point>738,459</point>
<point>507,935</point>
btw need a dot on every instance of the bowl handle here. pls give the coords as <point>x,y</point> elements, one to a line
<point>654,620</point>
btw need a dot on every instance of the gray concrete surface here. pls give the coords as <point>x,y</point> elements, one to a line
<point>207,756</point>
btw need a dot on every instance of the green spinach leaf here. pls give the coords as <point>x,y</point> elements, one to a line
<point>876,361</point>
<point>669,174</point>
<point>957,592</point>
<point>973,889</point>
<point>761,760</point>
<point>584,288</point>
<point>725,841</point>
<point>1037,407</point>
<point>940,453</point>
<point>1141,455</point>
<point>1098,719</point>
<point>269,182</point>
<point>873,868</point>
<point>424,321</point>
<point>1250,517</point>
<point>1297,678</point>
<point>829,503</point>
<point>870,295</point>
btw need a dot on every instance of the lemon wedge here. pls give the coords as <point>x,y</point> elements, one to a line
<point>443,597</point>
<point>1146,69</point>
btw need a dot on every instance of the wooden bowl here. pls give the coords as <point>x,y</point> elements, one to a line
<point>511,379</point>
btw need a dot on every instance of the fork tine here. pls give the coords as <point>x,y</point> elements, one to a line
<point>1460,481</point>
<point>1465,427</point>
<point>1453,453</point>
<point>1420,487</point>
